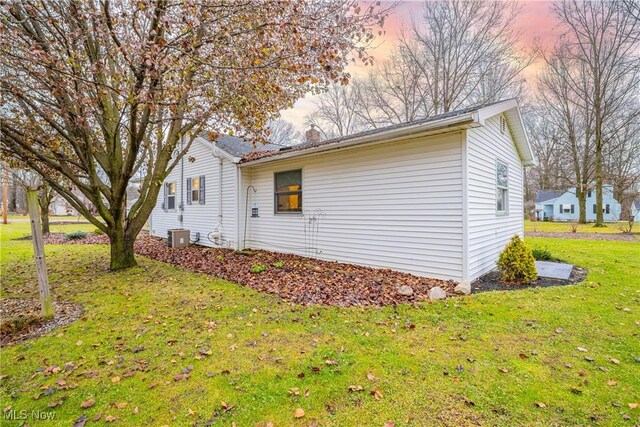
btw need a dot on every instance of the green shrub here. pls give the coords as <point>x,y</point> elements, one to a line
<point>541,254</point>
<point>278,264</point>
<point>516,263</point>
<point>258,268</point>
<point>75,235</point>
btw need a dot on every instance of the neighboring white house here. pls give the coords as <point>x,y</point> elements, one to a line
<point>635,210</point>
<point>438,197</point>
<point>564,206</point>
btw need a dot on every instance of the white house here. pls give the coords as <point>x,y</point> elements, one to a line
<point>635,210</point>
<point>564,206</point>
<point>437,197</point>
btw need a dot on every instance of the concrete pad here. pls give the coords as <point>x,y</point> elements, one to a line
<point>554,270</point>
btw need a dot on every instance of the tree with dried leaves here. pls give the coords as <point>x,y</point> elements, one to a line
<point>101,90</point>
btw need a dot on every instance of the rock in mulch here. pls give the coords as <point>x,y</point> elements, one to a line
<point>21,319</point>
<point>437,293</point>
<point>405,290</point>
<point>294,278</point>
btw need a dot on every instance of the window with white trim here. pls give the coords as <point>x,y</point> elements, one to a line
<point>169,196</point>
<point>195,190</point>
<point>502,187</point>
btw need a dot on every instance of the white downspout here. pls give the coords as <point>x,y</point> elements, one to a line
<point>218,228</point>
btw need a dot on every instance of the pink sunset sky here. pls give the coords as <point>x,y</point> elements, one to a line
<point>536,24</point>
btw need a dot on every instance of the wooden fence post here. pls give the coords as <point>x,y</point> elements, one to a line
<point>38,250</point>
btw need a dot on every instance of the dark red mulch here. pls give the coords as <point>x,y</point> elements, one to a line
<point>491,281</point>
<point>32,325</point>
<point>300,280</point>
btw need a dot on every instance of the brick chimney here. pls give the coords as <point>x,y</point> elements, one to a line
<point>312,135</point>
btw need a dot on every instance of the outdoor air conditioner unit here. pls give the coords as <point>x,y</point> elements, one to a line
<point>178,238</point>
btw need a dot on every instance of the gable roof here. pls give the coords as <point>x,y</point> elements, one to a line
<point>546,195</point>
<point>465,117</point>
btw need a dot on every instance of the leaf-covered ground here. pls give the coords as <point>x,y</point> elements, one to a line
<point>292,277</point>
<point>161,346</point>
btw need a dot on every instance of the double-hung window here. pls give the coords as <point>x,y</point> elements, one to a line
<point>288,191</point>
<point>195,190</point>
<point>169,196</point>
<point>502,188</point>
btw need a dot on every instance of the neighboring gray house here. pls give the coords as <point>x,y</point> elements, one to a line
<point>438,197</point>
<point>563,205</point>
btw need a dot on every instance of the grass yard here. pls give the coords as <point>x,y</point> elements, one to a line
<point>566,227</point>
<point>502,358</point>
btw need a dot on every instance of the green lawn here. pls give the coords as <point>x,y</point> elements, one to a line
<point>478,360</point>
<point>566,227</point>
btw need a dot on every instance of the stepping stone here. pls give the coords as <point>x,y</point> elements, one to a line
<point>554,270</point>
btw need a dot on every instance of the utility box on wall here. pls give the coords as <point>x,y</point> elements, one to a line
<point>178,238</point>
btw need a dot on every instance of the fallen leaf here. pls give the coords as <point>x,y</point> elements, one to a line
<point>299,413</point>
<point>353,388</point>
<point>54,404</point>
<point>115,379</point>
<point>330,362</point>
<point>110,418</point>
<point>614,361</point>
<point>523,356</point>
<point>79,343</point>
<point>89,403</point>
<point>612,382</point>
<point>389,424</point>
<point>582,349</point>
<point>370,377</point>
<point>80,422</point>
<point>505,370</point>
<point>377,394</point>
<point>559,330</point>
<point>121,405</point>
<point>294,391</point>
<point>634,405</point>
<point>540,405</point>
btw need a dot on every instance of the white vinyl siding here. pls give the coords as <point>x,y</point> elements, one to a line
<point>396,205</point>
<point>488,233</point>
<point>197,216</point>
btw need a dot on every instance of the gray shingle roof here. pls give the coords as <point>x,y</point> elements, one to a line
<point>238,147</point>
<point>313,144</point>
<point>544,195</point>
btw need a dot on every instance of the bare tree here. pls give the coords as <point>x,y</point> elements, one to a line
<point>335,114</point>
<point>282,132</point>
<point>465,51</point>
<point>394,92</point>
<point>601,39</point>
<point>572,120</point>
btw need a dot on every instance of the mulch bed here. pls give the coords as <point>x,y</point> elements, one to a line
<point>301,280</point>
<point>34,326</point>
<point>491,281</point>
<point>619,237</point>
<point>89,239</point>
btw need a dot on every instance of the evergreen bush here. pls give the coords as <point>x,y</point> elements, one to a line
<point>516,263</point>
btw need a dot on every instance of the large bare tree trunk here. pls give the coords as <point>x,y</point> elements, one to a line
<point>44,216</point>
